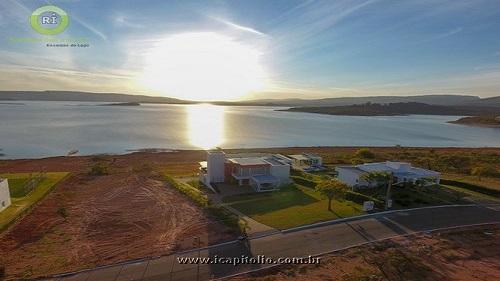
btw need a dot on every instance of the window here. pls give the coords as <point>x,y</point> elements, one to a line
<point>3,203</point>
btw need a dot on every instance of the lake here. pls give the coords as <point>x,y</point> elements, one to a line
<point>40,129</point>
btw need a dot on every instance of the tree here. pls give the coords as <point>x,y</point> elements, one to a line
<point>380,178</point>
<point>332,188</point>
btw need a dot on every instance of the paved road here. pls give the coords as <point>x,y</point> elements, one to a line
<point>304,242</point>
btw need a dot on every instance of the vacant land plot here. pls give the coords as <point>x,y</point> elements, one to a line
<point>96,220</point>
<point>489,182</point>
<point>293,205</point>
<point>452,255</point>
<point>24,197</point>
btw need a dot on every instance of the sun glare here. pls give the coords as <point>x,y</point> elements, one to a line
<point>203,66</point>
<point>205,125</point>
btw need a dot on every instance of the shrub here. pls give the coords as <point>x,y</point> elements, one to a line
<point>146,168</point>
<point>304,182</point>
<point>357,161</point>
<point>365,153</point>
<point>193,193</point>
<point>99,169</point>
<point>62,212</point>
<point>228,218</point>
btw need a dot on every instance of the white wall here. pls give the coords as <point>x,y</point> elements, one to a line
<point>215,166</point>
<point>282,172</point>
<point>348,177</point>
<point>318,161</point>
<point>4,194</point>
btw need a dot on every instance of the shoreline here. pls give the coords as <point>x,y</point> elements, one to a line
<point>156,151</point>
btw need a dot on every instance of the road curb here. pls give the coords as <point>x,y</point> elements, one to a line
<point>360,244</point>
<point>319,224</point>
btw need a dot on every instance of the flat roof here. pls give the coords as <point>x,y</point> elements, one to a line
<point>299,157</point>
<point>275,162</point>
<point>246,155</point>
<point>351,168</point>
<point>249,161</point>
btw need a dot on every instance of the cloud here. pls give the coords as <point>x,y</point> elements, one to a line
<point>238,27</point>
<point>18,72</point>
<point>89,27</point>
<point>308,21</point>
<point>449,33</point>
<point>14,13</point>
<point>122,21</point>
<point>38,78</point>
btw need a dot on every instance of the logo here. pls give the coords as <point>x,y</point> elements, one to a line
<point>49,20</point>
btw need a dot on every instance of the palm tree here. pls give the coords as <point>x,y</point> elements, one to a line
<point>332,188</point>
<point>380,178</point>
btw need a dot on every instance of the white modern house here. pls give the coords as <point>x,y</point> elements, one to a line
<point>306,161</point>
<point>264,172</point>
<point>4,194</point>
<point>401,171</point>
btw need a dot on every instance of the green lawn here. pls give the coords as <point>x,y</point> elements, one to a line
<point>22,204</point>
<point>18,187</point>
<point>292,206</point>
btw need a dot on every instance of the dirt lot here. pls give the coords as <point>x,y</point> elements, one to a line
<point>95,220</point>
<point>472,254</point>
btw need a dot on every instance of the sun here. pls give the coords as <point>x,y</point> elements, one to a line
<point>203,66</point>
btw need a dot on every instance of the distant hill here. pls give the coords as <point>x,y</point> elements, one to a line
<point>401,108</point>
<point>427,99</point>
<point>85,96</point>
<point>493,102</point>
<point>120,98</point>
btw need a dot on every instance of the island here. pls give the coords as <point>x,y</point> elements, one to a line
<point>482,121</point>
<point>121,104</point>
<point>397,109</point>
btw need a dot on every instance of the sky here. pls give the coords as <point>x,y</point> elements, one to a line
<point>239,49</point>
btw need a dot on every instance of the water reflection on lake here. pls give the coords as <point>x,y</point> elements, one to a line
<point>205,124</point>
<point>38,129</point>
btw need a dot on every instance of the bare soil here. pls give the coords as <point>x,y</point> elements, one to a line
<point>472,254</point>
<point>128,214</point>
